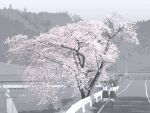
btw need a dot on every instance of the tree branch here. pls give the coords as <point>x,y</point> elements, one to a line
<point>117,32</point>
<point>81,63</point>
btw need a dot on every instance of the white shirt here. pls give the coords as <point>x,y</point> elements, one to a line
<point>105,88</point>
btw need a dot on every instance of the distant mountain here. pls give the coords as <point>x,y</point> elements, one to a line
<point>14,22</point>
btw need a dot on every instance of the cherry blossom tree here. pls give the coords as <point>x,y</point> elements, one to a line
<point>76,55</point>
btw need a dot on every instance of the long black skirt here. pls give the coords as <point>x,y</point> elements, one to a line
<point>112,94</point>
<point>105,94</point>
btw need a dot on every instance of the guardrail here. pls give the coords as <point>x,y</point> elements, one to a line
<point>23,86</point>
<point>14,86</point>
<point>88,100</point>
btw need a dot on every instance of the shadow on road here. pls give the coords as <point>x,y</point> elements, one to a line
<point>124,105</point>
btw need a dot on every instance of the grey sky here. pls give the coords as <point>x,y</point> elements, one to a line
<point>88,9</point>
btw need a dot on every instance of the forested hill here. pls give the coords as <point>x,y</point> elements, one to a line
<point>14,22</point>
<point>143,30</point>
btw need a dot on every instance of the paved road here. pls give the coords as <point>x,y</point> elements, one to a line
<point>132,100</point>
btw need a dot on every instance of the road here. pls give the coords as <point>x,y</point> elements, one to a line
<point>134,99</point>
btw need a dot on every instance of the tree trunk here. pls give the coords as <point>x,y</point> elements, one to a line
<point>82,92</point>
<point>92,84</point>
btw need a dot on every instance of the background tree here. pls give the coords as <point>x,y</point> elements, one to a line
<point>76,55</point>
<point>76,18</point>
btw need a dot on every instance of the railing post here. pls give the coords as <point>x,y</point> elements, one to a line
<point>83,109</point>
<point>90,102</point>
<point>101,96</point>
<point>96,99</point>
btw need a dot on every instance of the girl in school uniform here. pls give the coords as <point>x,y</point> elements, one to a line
<point>112,94</point>
<point>105,93</point>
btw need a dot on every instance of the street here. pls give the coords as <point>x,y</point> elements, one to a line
<point>134,99</point>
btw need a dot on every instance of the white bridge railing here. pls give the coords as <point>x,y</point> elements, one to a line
<point>88,100</point>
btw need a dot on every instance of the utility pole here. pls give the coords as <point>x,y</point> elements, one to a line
<point>126,65</point>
